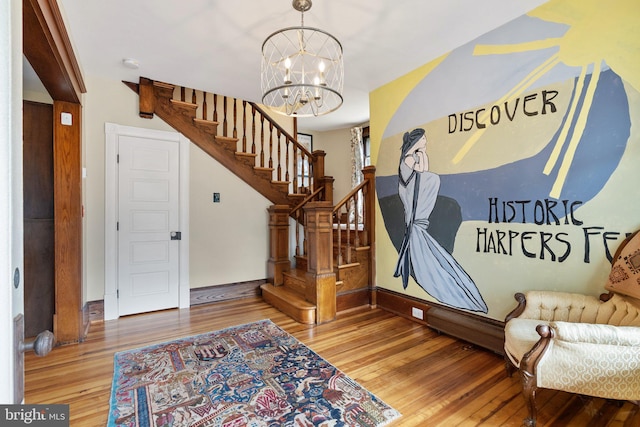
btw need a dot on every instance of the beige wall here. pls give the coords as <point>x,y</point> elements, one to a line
<point>336,144</point>
<point>228,241</point>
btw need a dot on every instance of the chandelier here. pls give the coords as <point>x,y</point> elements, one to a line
<point>302,69</point>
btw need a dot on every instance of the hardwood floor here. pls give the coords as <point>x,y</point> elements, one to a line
<point>431,379</point>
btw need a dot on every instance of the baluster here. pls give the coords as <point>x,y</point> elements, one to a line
<point>306,178</point>
<point>356,230</point>
<point>224,116</point>
<point>204,105</point>
<point>298,231</point>
<point>305,249</point>
<point>295,169</point>
<point>271,145</point>
<point>235,119</point>
<point>215,107</point>
<point>193,96</point>
<point>348,230</point>
<point>182,94</point>
<point>244,126</point>
<point>365,218</point>
<point>286,161</point>
<point>253,130</point>
<point>261,141</point>
<point>339,213</point>
<point>279,157</point>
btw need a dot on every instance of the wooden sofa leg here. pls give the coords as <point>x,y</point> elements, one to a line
<point>508,366</point>
<point>529,387</point>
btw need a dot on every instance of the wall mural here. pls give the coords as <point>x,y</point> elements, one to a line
<point>507,146</point>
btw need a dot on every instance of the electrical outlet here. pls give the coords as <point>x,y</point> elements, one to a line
<point>417,313</point>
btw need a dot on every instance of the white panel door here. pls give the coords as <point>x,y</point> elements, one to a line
<point>148,217</point>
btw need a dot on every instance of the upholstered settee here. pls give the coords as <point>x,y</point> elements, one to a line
<point>575,343</point>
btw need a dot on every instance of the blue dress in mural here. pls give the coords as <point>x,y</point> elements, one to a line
<point>420,256</point>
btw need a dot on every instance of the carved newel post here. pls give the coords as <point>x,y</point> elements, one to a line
<point>278,244</point>
<point>321,279</point>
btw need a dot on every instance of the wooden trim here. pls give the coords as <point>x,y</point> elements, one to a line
<point>48,49</point>
<point>198,296</point>
<point>278,261</point>
<point>482,331</point>
<point>401,304</point>
<point>227,292</point>
<point>67,177</point>
<point>352,299</point>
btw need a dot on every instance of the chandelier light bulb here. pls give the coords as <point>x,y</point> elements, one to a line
<point>287,72</point>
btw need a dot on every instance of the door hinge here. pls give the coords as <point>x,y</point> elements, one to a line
<point>118,226</point>
<point>117,293</point>
<point>117,158</point>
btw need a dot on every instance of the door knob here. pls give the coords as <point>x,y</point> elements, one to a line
<point>41,346</point>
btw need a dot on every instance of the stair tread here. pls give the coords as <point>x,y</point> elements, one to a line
<point>353,264</point>
<point>205,122</point>
<point>184,104</point>
<point>242,153</point>
<point>226,138</point>
<point>289,295</point>
<point>300,274</point>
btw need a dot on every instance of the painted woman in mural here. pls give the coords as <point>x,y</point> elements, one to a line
<point>421,256</point>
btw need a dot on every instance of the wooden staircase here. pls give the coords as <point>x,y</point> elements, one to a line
<point>264,155</point>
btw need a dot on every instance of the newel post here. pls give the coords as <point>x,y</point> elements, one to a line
<point>318,167</point>
<point>321,279</point>
<point>147,98</point>
<point>369,213</point>
<point>278,244</point>
<point>327,183</point>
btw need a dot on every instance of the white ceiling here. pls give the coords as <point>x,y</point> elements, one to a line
<point>215,45</point>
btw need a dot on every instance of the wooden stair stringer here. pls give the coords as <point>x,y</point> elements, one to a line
<point>182,118</point>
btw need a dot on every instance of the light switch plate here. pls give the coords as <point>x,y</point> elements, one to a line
<point>66,119</point>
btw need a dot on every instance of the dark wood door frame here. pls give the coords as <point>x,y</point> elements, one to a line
<point>47,47</point>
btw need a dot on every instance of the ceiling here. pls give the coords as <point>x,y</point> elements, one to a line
<point>215,45</point>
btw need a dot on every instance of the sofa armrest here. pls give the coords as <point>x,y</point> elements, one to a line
<point>516,312</point>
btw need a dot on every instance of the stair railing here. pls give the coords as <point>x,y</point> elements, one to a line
<point>353,219</point>
<point>297,213</point>
<point>258,136</point>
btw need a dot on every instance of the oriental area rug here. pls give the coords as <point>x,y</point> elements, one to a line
<point>250,375</point>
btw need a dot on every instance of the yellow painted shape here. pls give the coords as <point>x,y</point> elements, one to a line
<point>577,133</point>
<point>553,157</point>
<point>598,31</point>
<point>501,49</point>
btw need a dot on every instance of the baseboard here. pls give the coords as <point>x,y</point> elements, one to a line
<point>94,310</point>
<point>227,292</point>
<point>482,331</point>
<point>353,299</point>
